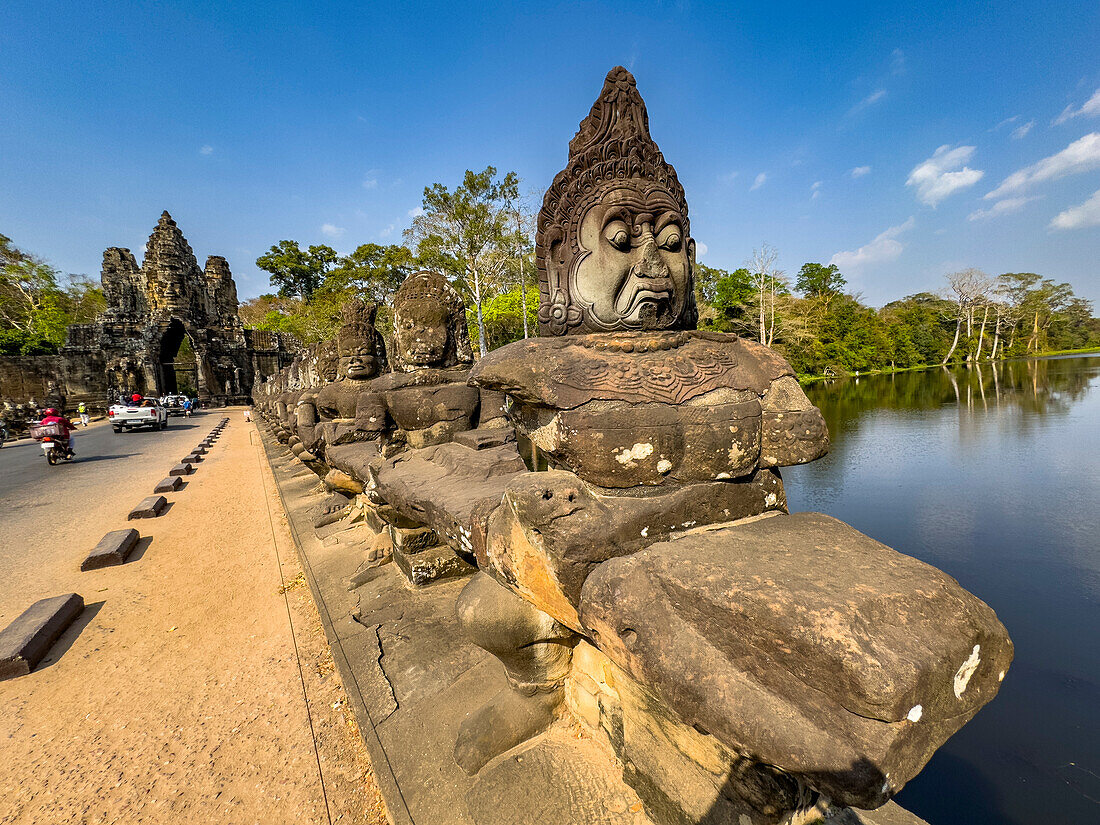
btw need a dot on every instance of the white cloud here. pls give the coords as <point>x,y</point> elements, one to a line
<point>860,171</point>
<point>370,182</point>
<point>701,249</point>
<point>416,213</point>
<point>1083,155</point>
<point>816,189</point>
<point>1004,122</point>
<point>897,61</point>
<point>206,149</point>
<point>729,177</point>
<point>1022,130</point>
<point>1090,108</point>
<point>332,231</point>
<point>1078,217</point>
<point>1005,207</point>
<point>870,100</point>
<point>885,247</point>
<point>939,176</point>
<point>385,233</point>
<point>756,184</point>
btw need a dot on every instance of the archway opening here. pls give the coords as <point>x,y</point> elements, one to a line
<point>177,367</point>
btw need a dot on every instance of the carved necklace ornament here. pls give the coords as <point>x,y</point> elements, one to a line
<point>613,247</point>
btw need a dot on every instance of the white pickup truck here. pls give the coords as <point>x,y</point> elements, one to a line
<point>130,417</point>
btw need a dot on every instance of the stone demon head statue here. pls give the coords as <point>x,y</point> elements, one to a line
<point>328,361</point>
<point>429,324</point>
<point>360,347</point>
<point>613,247</point>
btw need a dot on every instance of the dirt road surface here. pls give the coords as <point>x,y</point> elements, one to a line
<point>197,685</point>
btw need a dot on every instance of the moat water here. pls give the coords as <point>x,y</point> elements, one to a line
<point>993,475</point>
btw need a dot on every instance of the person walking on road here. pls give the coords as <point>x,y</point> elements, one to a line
<point>83,410</point>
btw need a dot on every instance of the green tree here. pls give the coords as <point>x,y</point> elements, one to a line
<point>468,234</point>
<point>294,272</point>
<point>817,280</point>
<point>372,271</point>
<point>733,301</point>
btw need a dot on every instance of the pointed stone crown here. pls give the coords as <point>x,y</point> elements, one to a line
<point>612,147</point>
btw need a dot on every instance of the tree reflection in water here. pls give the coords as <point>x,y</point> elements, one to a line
<point>992,474</point>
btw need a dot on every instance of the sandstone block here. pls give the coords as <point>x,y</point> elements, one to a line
<point>414,540</point>
<point>149,507</point>
<point>112,549</point>
<point>433,564</point>
<point>484,438</point>
<point>168,485</point>
<point>25,642</point>
<point>542,540</point>
<point>805,643</point>
<point>181,470</point>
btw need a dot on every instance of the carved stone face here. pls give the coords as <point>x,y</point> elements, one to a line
<point>421,328</point>
<point>358,359</point>
<point>634,269</point>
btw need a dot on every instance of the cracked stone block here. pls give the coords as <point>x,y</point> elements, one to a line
<point>112,549</point>
<point>414,540</point>
<point>26,641</point>
<point>433,564</point>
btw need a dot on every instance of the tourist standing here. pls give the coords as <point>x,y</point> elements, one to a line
<point>82,408</point>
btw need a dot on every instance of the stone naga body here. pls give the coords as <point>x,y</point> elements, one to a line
<point>738,660</point>
<point>405,421</point>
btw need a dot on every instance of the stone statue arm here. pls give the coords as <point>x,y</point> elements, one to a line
<point>371,415</point>
<point>307,420</point>
<point>793,430</point>
<point>491,410</point>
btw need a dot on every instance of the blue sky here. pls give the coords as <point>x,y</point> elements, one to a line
<point>901,140</point>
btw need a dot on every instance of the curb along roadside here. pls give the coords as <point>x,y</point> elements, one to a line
<point>397,811</point>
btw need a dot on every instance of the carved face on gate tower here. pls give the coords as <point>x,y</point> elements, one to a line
<point>613,246</point>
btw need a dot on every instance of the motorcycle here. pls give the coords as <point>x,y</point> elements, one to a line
<point>54,443</point>
<point>56,451</point>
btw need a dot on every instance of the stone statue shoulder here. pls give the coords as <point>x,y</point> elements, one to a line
<point>668,367</point>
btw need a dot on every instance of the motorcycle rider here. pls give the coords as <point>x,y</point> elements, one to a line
<point>52,416</point>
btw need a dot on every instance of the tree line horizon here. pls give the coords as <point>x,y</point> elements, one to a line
<point>480,235</point>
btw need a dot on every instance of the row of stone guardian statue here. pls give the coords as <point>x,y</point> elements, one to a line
<point>741,662</point>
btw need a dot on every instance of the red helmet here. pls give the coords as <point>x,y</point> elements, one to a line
<point>50,411</point>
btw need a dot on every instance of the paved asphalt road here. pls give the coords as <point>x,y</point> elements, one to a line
<point>51,517</point>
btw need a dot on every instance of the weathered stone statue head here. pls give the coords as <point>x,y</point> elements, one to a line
<point>328,361</point>
<point>613,247</point>
<point>429,321</point>
<point>360,347</point>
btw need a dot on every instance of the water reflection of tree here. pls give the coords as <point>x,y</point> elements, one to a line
<point>1036,387</point>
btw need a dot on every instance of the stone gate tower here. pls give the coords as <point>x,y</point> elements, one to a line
<point>151,310</point>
